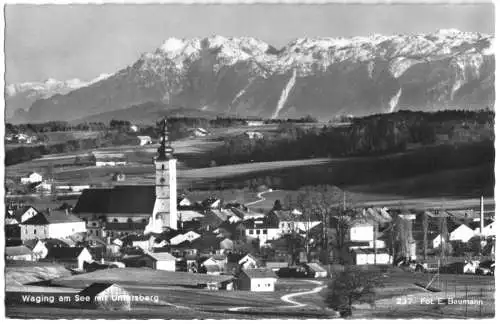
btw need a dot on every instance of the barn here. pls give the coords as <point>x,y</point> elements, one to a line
<point>107,296</point>
<point>261,279</point>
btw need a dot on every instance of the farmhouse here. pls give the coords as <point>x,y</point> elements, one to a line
<point>144,140</point>
<point>257,280</point>
<point>107,296</point>
<point>19,253</point>
<point>32,177</point>
<point>25,213</point>
<point>51,224</point>
<point>73,257</point>
<point>158,261</point>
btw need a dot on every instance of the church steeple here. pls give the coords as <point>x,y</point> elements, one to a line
<point>165,151</point>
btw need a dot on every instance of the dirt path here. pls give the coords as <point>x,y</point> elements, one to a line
<point>288,298</point>
<point>261,198</point>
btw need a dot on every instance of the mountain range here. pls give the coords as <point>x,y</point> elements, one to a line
<point>322,77</point>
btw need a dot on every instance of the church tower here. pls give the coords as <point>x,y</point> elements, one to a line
<point>165,208</point>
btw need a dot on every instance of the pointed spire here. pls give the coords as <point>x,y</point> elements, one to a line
<point>165,151</point>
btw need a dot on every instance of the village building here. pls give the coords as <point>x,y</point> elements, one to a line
<point>72,257</point>
<point>38,248</point>
<point>51,224</point>
<point>31,178</point>
<point>317,270</point>
<point>183,202</point>
<point>363,256</point>
<point>134,128</point>
<point>109,159</point>
<point>19,253</point>
<point>263,230</point>
<point>107,296</point>
<point>145,140</point>
<point>158,261</point>
<point>257,280</point>
<point>119,177</point>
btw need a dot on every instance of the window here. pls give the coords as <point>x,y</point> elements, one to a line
<point>163,166</point>
<point>34,231</point>
<point>115,220</point>
<point>264,231</point>
<point>250,232</point>
<point>144,221</point>
<point>130,220</point>
<point>94,224</point>
<point>258,285</point>
<point>258,232</point>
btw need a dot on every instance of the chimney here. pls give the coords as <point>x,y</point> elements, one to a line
<point>481,220</point>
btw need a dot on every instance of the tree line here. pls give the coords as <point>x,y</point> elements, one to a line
<point>372,135</point>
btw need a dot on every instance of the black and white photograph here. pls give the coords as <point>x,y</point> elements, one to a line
<point>260,160</point>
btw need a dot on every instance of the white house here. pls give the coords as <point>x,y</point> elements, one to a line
<point>488,228</point>
<point>51,224</point>
<point>23,214</point>
<point>39,249</point>
<point>262,279</point>
<point>18,253</point>
<point>255,122</point>
<point>249,262</point>
<point>134,128</point>
<point>44,186</point>
<point>160,261</point>
<point>289,226</point>
<point>263,234</point>
<point>184,202</point>
<point>109,159</point>
<point>189,236</point>
<point>145,140</point>
<point>462,233</point>
<point>361,232</point>
<point>367,256</point>
<point>32,177</point>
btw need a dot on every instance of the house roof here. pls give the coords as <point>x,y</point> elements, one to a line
<point>162,256</point>
<point>316,267</point>
<point>18,213</point>
<point>97,288</point>
<point>30,244</point>
<point>125,226</point>
<point>120,199</point>
<point>52,217</point>
<point>64,253</point>
<point>259,273</point>
<point>17,250</point>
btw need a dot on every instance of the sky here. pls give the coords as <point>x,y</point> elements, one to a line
<point>83,41</point>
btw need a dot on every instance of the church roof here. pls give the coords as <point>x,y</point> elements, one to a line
<point>120,199</point>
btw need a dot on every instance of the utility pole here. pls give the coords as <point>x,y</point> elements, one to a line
<point>375,230</point>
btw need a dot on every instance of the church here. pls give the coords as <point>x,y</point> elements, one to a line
<point>129,209</point>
